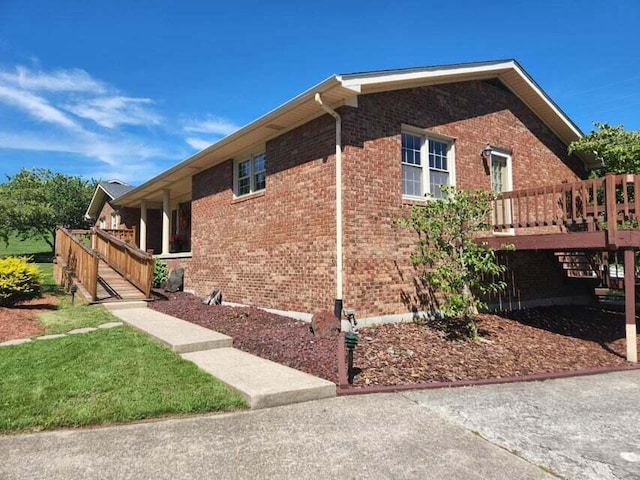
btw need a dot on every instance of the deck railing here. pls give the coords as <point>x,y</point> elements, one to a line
<point>130,262</point>
<point>79,258</point>
<point>608,203</point>
<point>127,235</point>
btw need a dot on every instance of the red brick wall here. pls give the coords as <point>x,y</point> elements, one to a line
<point>275,249</point>
<point>534,275</point>
<point>378,278</point>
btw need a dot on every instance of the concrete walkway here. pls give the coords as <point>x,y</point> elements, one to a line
<point>261,383</point>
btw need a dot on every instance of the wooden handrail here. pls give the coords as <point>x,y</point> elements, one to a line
<point>133,264</point>
<point>80,259</point>
<point>608,203</point>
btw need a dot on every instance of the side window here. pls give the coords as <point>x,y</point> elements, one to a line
<point>250,175</point>
<point>426,164</point>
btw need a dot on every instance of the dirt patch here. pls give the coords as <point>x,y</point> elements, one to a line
<point>20,321</point>
<point>534,341</point>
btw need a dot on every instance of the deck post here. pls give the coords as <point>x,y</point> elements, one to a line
<point>630,304</point>
<point>611,210</point>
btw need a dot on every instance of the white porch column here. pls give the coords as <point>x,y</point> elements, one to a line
<point>143,225</point>
<point>166,221</point>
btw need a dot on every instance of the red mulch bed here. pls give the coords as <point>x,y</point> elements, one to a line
<point>261,333</point>
<point>20,320</point>
<point>534,341</point>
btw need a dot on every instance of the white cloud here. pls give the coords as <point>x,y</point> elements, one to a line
<point>74,80</point>
<point>71,112</point>
<point>36,106</point>
<point>198,143</point>
<point>213,125</point>
<point>111,112</point>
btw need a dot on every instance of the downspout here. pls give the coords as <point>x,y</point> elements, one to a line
<point>337,305</point>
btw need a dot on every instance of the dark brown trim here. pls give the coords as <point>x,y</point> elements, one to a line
<point>343,381</point>
<point>549,241</point>
<point>357,390</point>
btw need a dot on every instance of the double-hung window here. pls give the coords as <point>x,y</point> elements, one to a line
<point>250,175</point>
<point>427,164</point>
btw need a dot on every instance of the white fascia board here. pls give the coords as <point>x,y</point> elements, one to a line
<point>546,99</point>
<point>93,198</point>
<point>359,80</point>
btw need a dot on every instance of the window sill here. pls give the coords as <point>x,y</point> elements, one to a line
<point>248,196</point>
<point>169,256</point>
<point>413,200</point>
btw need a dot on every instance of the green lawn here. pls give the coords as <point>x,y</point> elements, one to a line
<point>101,377</point>
<point>105,376</point>
<point>67,317</point>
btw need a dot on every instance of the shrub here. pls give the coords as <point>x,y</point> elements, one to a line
<point>160,274</point>
<point>19,280</point>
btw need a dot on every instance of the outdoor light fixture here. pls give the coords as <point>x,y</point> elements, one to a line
<point>73,289</point>
<point>486,152</point>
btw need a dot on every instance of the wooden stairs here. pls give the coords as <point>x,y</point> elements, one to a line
<point>578,264</point>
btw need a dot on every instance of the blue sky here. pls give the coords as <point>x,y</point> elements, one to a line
<point>126,89</point>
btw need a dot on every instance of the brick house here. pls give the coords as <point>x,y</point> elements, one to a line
<point>296,211</point>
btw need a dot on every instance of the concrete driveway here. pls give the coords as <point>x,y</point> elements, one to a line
<point>581,428</point>
<point>373,436</point>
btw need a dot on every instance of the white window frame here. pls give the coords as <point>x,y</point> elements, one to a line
<point>425,137</point>
<point>253,173</point>
<point>496,152</point>
<point>115,220</point>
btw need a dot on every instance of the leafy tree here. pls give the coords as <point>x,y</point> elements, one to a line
<point>452,263</point>
<point>34,202</point>
<point>618,149</point>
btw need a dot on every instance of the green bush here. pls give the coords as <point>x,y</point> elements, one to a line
<point>160,274</point>
<point>19,280</point>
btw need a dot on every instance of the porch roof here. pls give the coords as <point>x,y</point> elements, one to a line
<point>338,90</point>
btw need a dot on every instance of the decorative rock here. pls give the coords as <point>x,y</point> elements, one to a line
<point>110,325</point>
<point>49,337</point>
<point>81,330</point>
<point>324,324</point>
<point>214,298</point>
<point>17,341</point>
<point>176,281</point>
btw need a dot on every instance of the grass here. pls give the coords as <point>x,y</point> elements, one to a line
<point>106,376</point>
<point>67,317</point>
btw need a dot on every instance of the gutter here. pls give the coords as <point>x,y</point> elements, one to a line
<point>338,304</point>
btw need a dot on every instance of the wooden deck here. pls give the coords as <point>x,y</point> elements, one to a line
<point>600,213</point>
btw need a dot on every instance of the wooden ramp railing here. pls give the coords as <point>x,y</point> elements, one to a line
<point>133,264</point>
<point>79,258</point>
<point>608,203</point>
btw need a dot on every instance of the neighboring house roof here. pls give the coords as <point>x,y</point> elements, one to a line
<point>106,192</point>
<point>339,90</point>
